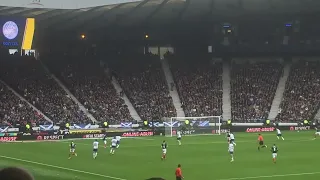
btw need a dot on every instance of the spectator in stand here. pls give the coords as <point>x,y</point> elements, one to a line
<point>93,88</point>
<point>301,99</point>
<point>15,111</point>
<point>199,85</point>
<point>30,80</point>
<point>144,83</point>
<point>253,87</point>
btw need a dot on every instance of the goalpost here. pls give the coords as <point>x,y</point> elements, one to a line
<point>196,125</point>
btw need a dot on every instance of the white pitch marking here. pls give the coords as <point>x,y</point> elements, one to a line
<point>58,167</point>
<point>272,176</point>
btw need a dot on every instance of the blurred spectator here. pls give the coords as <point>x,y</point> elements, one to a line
<point>13,173</point>
<point>144,83</point>
<point>301,98</point>
<point>93,88</point>
<point>199,85</point>
<point>14,111</point>
<point>253,87</point>
<point>28,78</point>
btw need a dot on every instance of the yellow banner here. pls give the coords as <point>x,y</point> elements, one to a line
<point>89,131</point>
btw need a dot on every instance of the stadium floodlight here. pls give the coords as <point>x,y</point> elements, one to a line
<point>203,125</point>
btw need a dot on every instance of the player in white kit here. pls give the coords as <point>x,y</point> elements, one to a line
<point>231,151</point>
<point>118,138</point>
<point>232,139</point>
<point>95,149</point>
<point>279,134</point>
<point>179,137</point>
<point>113,146</point>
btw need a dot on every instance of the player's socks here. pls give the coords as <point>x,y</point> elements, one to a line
<point>282,138</point>
<point>259,148</point>
<point>278,137</point>
<point>76,154</point>
<point>234,143</point>
<point>118,146</point>
<point>179,142</point>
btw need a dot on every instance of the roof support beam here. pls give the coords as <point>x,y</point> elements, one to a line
<point>121,18</point>
<point>149,17</point>
<point>96,25</point>
<point>73,17</point>
<point>183,10</point>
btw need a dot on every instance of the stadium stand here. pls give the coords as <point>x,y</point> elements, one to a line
<point>144,83</point>
<point>199,85</point>
<point>253,88</point>
<point>92,87</point>
<point>15,111</point>
<point>29,79</point>
<point>302,94</point>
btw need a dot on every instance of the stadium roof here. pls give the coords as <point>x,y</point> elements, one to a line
<point>156,12</point>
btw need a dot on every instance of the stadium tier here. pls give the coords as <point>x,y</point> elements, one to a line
<point>253,86</point>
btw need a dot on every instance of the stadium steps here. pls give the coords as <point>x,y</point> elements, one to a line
<point>89,115</point>
<point>226,98</point>
<point>174,93</point>
<point>23,99</point>
<point>131,109</point>
<point>279,92</point>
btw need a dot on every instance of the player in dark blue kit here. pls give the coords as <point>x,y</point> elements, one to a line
<point>164,150</point>
<point>105,140</point>
<point>72,150</point>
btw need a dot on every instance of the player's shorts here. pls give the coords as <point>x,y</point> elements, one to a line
<point>72,150</point>
<point>279,135</point>
<point>317,133</point>
<point>179,138</point>
<point>113,146</point>
<point>118,142</point>
<point>274,155</point>
<point>231,140</point>
<point>178,178</point>
<point>164,151</point>
<point>95,150</point>
<point>231,152</point>
<point>260,143</point>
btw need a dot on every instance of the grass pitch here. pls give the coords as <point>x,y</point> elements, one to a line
<point>202,157</point>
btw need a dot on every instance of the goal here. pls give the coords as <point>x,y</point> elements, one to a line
<point>197,125</point>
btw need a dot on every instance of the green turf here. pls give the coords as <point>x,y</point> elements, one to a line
<point>202,157</point>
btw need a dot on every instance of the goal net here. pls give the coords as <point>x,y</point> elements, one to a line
<point>193,125</point>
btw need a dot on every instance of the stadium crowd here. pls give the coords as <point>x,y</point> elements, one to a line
<point>199,86</point>
<point>15,111</point>
<point>30,80</point>
<point>253,87</point>
<point>92,86</point>
<point>302,94</point>
<point>144,83</point>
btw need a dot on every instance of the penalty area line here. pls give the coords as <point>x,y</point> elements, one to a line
<point>63,168</point>
<point>273,176</point>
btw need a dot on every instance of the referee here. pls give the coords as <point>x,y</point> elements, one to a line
<point>179,173</point>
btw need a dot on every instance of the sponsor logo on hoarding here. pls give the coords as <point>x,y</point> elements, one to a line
<point>268,129</point>
<point>8,139</point>
<point>92,131</point>
<point>93,136</point>
<point>136,134</point>
<point>298,128</point>
<point>52,137</point>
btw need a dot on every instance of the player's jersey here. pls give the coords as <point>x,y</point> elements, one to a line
<point>72,145</point>
<point>164,145</point>
<point>95,145</point>
<point>114,142</point>
<point>231,136</point>
<point>231,148</point>
<point>278,131</point>
<point>274,149</point>
<point>178,134</point>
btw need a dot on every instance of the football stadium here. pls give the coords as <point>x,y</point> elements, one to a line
<point>159,89</point>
